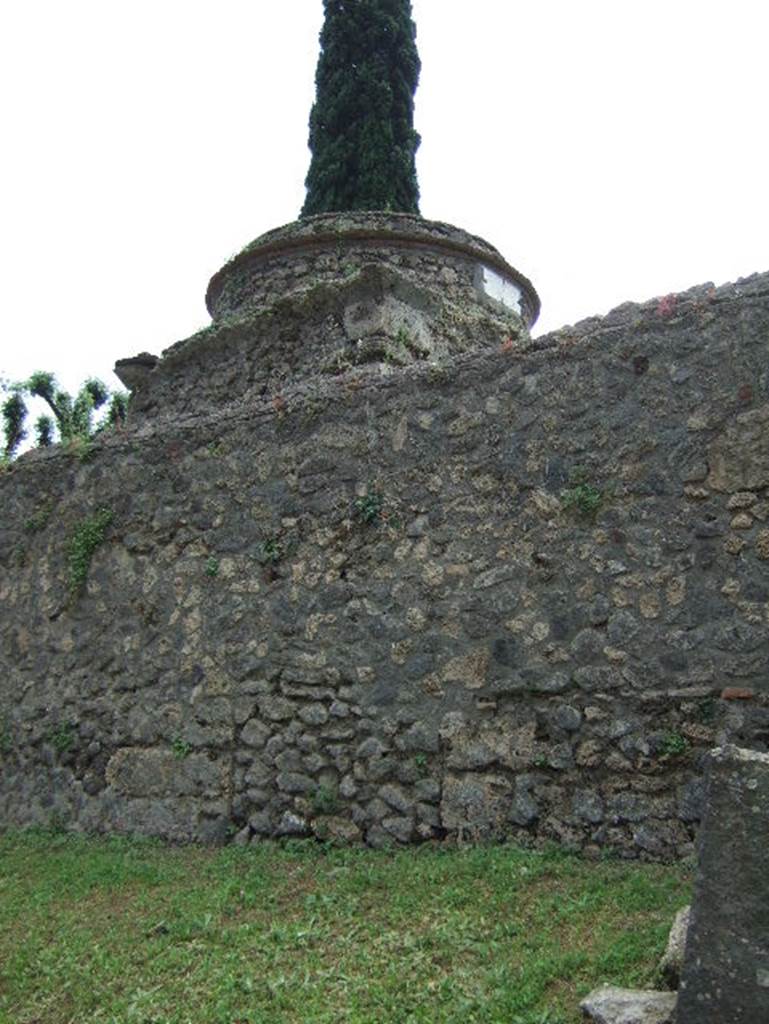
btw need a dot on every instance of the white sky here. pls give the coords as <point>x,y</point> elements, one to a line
<point>611,149</point>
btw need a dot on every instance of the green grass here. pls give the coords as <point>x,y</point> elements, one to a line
<point>118,931</point>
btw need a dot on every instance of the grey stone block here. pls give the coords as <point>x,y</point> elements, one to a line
<point>725,976</point>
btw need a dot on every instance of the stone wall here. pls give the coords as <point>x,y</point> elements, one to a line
<point>519,591</point>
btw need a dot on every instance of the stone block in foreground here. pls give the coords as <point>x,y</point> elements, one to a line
<point>609,1005</point>
<point>725,977</point>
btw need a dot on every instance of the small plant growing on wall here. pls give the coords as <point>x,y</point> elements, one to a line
<point>276,547</point>
<point>181,748</point>
<point>88,535</point>
<point>325,799</point>
<point>582,498</point>
<point>368,508</point>
<point>5,736</point>
<point>39,518</point>
<point>62,738</point>
<point>212,567</point>
<point>403,338</point>
<point>673,745</point>
<point>270,551</point>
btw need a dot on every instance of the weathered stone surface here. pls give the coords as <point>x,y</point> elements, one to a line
<point>739,458</point>
<point>588,806</point>
<point>277,709</point>
<point>567,717</point>
<point>475,803</point>
<point>162,773</point>
<point>254,733</point>
<point>523,808</point>
<point>725,976</point>
<point>421,737</point>
<point>336,830</point>
<point>242,838</point>
<point>610,1005</point>
<point>399,827</point>
<point>292,825</point>
<point>295,782</point>
<point>397,798</point>
<point>506,744</point>
<point>372,747</point>
<point>314,714</point>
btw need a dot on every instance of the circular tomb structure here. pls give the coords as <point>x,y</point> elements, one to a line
<point>333,294</point>
<point>333,248</point>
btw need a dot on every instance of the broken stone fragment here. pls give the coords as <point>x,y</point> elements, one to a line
<point>338,830</point>
<point>609,1005</point>
<point>134,371</point>
<point>292,825</point>
<point>673,958</point>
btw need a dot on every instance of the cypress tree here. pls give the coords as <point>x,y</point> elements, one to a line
<point>362,135</point>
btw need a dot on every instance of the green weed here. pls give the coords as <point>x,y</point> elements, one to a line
<point>674,745</point>
<point>88,535</point>
<point>6,740</point>
<point>582,498</point>
<point>325,799</point>
<point>181,748</point>
<point>270,551</point>
<point>368,508</point>
<point>39,518</point>
<point>62,738</point>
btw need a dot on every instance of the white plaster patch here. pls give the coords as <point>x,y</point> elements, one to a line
<point>496,287</point>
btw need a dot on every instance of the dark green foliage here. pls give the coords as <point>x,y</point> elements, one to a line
<point>673,744</point>
<point>270,551</point>
<point>44,431</point>
<point>92,395</point>
<point>62,739</point>
<point>14,414</point>
<point>6,740</point>
<point>87,537</point>
<point>181,748</point>
<point>368,509</point>
<point>582,498</point>
<point>325,799</point>
<point>43,384</point>
<point>72,418</point>
<point>118,409</point>
<point>40,517</point>
<point>362,137</point>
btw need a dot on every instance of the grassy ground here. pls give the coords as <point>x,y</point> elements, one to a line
<point>118,931</point>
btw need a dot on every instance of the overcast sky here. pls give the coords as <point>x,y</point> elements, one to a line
<point>611,149</point>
